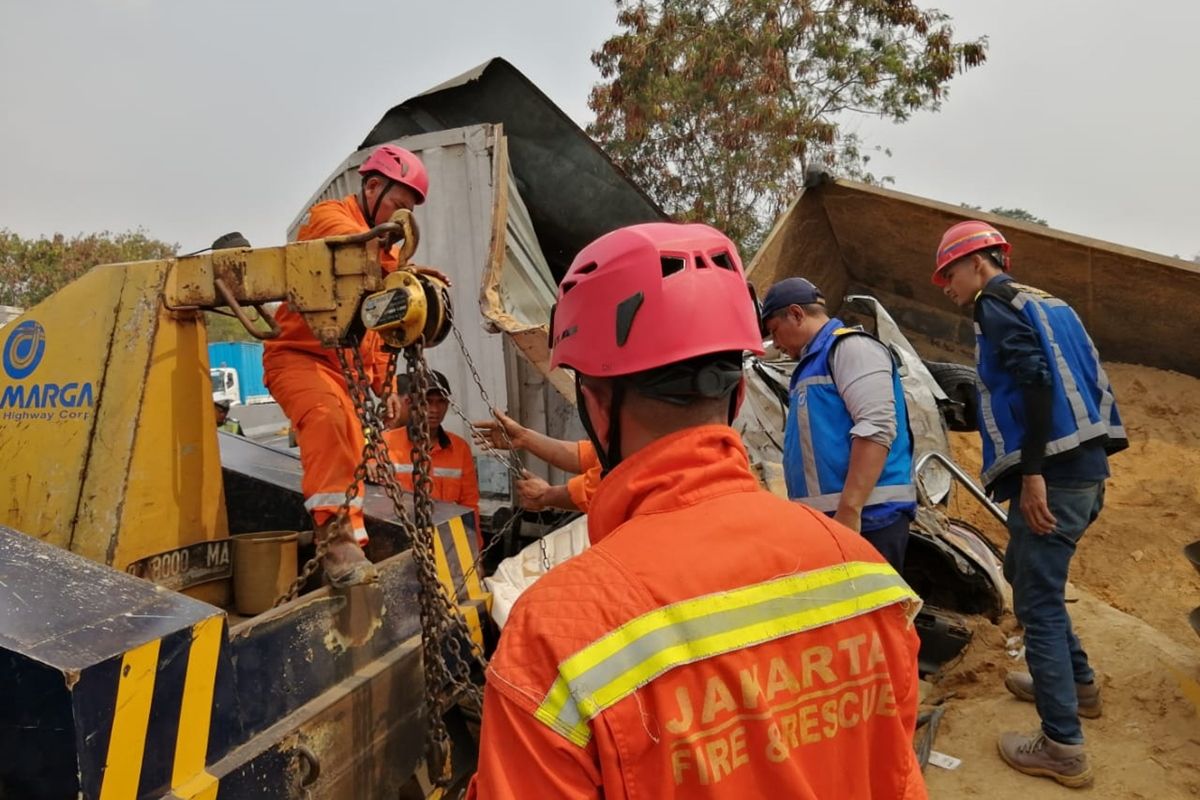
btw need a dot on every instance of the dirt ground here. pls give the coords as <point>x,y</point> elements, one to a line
<point>1132,591</point>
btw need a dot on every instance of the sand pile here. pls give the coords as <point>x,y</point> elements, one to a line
<point>1132,592</point>
<point>1131,558</point>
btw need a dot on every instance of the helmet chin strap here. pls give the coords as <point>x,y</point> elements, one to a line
<point>610,457</point>
<point>362,200</point>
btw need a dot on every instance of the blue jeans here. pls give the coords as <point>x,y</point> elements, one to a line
<point>891,541</point>
<point>1037,566</point>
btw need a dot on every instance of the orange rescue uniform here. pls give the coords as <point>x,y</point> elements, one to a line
<point>716,641</point>
<point>583,486</point>
<point>454,479</point>
<point>307,381</point>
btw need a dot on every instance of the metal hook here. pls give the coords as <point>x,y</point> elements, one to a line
<point>272,331</point>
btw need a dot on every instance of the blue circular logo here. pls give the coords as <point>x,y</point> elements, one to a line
<point>23,350</point>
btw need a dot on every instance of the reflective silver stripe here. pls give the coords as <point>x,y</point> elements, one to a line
<point>1087,429</point>
<point>1093,430</point>
<point>1107,398</point>
<point>331,499</point>
<point>610,669</point>
<point>882,494</point>
<point>985,403</point>
<point>812,480</point>
<point>1070,388</point>
<point>438,472</point>
<point>814,380</point>
<point>360,536</point>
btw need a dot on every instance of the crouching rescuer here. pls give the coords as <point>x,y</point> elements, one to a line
<point>715,641</point>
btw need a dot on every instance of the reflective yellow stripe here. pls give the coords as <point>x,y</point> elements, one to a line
<point>195,712</point>
<point>201,787</point>
<point>466,560</point>
<point>474,620</point>
<point>135,690</point>
<point>443,565</point>
<point>612,668</point>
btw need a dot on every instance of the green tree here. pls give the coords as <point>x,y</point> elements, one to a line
<point>717,107</point>
<point>32,269</point>
<point>1012,213</point>
<point>222,328</point>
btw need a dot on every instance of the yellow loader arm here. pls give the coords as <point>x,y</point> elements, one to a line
<point>106,417</point>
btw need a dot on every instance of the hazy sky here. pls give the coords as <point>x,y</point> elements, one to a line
<point>193,118</point>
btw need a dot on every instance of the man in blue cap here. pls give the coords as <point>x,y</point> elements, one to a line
<point>847,449</point>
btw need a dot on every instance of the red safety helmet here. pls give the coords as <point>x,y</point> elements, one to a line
<point>650,295</point>
<point>649,299</point>
<point>963,239</point>
<point>399,165</point>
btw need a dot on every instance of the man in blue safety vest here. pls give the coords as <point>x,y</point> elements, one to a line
<point>1048,420</point>
<point>847,450</point>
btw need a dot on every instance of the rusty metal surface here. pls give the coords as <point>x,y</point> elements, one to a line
<point>360,738</point>
<point>325,282</point>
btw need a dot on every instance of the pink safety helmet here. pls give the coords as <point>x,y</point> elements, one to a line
<point>399,165</point>
<point>651,295</point>
<point>962,240</point>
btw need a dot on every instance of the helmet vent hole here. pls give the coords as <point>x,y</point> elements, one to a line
<point>587,269</point>
<point>701,263</point>
<point>567,286</point>
<point>723,260</point>
<point>672,265</point>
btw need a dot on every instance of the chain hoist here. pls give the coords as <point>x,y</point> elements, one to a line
<point>413,312</point>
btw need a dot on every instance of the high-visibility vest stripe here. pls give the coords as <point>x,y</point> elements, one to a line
<point>616,665</point>
<point>332,500</point>
<point>880,494</point>
<point>437,472</point>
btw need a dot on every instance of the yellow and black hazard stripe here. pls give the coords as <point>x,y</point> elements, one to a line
<point>161,716</point>
<point>455,551</point>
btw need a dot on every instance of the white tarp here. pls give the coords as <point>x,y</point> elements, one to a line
<point>518,573</point>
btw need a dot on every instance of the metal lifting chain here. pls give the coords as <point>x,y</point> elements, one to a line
<point>442,625</point>
<point>513,462</point>
<point>357,384</point>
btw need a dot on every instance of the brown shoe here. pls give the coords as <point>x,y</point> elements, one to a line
<point>1021,686</point>
<point>1045,758</point>
<point>345,563</point>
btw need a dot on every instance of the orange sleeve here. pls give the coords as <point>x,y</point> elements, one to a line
<point>375,360</point>
<point>583,487</point>
<point>588,460</point>
<point>520,757</point>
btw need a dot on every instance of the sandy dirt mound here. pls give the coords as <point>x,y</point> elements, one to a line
<point>1146,746</point>
<point>1131,557</point>
<point>1133,590</point>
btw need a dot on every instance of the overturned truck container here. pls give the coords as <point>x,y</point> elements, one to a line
<point>518,190</point>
